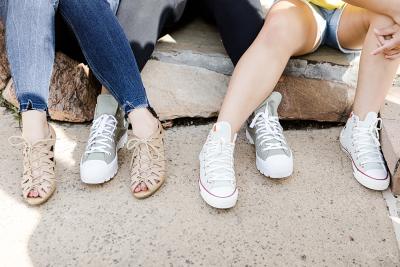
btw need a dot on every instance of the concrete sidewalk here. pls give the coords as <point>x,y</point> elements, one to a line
<point>321,216</point>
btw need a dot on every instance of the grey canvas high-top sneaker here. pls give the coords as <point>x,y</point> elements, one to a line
<point>273,155</point>
<point>109,133</point>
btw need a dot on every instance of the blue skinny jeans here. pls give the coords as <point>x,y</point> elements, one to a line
<point>30,39</point>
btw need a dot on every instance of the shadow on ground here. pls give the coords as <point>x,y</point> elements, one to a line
<point>320,216</point>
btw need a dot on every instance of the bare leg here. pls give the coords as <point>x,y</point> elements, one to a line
<point>376,73</point>
<point>35,126</point>
<point>105,91</point>
<point>144,124</point>
<point>290,29</point>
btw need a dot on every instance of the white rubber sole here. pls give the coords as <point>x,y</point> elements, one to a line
<point>264,169</point>
<point>219,202</point>
<point>366,181</point>
<point>111,169</point>
<point>215,201</point>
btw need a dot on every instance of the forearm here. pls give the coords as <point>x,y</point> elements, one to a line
<point>390,8</point>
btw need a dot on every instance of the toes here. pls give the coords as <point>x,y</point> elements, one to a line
<point>137,189</point>
<point>33,194</point>
<point>143,186</point>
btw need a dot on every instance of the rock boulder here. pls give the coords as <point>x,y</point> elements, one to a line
<point>4,68</point>
<point>73,90</point>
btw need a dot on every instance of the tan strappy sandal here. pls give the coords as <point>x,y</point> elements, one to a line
<point>39,167</point>
<point>148,163</point>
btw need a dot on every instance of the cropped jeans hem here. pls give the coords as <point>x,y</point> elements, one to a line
<point>30,102</point>
<point>128,107</point>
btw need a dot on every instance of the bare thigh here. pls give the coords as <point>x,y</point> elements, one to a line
<point>353,27</point>
<point>293,24</point>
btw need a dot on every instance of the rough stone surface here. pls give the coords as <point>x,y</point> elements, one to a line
<point>319,217</point>
<point>9,93</point>
<point>390,137</point>
<point>73,92</point>
<point>4,68</point>
<point>183,91</point>
<point>199,45</point>
<point>200,94</point>
<point>318,100</point>
<point>319,86</point>
<point>188,77</point>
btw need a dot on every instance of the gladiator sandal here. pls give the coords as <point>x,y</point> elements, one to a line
<point>39,167</point>
<point>148,163</point>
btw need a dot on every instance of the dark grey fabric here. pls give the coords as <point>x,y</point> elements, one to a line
<point>238,21</point>
<point>144,20</point>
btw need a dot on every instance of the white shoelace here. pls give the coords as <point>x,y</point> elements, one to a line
<point>367,144</point>
<point>101,134</point>
<point>219,161</point>
<point>269,129</point>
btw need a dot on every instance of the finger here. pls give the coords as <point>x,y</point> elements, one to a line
<point>387,30</point>
<point>391,52</point>
<point>381,40</point>
<point>378,51</point>
<point>397,56</point>
<point>388,45</point>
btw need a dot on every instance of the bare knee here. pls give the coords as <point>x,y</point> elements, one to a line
<point>376,20</point>
<point>286,28</point>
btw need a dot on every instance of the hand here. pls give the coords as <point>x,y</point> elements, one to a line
<point>389,40</point>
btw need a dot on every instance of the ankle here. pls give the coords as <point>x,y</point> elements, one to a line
<point>143,123</point>
<point>233,131</point>
<point>362,114</point>
<point>35,126</point>
<point>36,134</point>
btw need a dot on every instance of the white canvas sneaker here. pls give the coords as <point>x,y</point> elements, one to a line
<point>108,134</point>
<point>360,141</point>
<point>217,175</point>
<point>274,158</point>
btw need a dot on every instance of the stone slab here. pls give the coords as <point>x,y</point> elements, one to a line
<point>319,217</point>
<point>390,137</point>
<point>184,91</point>
<point>201,39</point>
<point>199,44</point>
<point>317,100</point>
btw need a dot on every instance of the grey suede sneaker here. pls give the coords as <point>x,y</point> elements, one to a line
<point>108,134</point>
<point>273,155</point>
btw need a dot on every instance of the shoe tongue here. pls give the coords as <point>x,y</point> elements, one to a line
<point>369,120</point>
<point>273,102</point>
<point>106,104</point>
<point>223,130</point>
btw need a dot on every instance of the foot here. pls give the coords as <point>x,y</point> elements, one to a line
<point>360,141</point>
<point>38,180</point>
<point>108,134</point>
<point>144,124</point>
<point>217,176</point>
<point>274,158</point>
<point>148,165</point>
